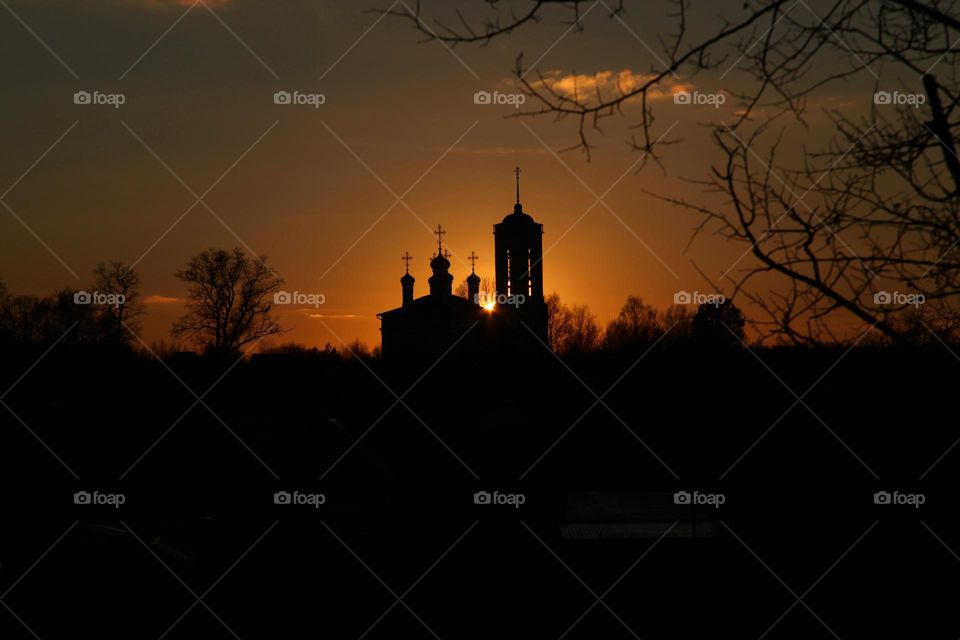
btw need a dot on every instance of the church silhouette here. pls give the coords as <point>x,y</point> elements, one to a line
<point>431,325</point>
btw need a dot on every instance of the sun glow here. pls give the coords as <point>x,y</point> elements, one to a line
<point>490,305</point>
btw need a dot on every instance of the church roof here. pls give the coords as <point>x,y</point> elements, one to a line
<point>431,304</point>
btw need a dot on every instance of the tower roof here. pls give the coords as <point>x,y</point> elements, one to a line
<point>518,217</point>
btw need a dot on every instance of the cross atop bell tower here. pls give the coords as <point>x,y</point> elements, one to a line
<point>516,172</point>
<point>406,257</point>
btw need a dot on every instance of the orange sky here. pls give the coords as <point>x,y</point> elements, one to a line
<point>315,189</point>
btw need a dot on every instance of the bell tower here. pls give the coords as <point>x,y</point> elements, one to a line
<point>518,245</point>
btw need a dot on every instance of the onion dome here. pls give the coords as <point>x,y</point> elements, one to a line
<point>439,263</point>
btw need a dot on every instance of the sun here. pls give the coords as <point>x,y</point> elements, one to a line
<point>490,305</point>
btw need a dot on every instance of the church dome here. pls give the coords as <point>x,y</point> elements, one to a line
<point>439,263</point>
<point>518,216</point>
<point>473,277</point>
<point>407,279</point>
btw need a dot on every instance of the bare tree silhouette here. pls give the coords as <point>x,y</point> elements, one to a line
<point>6,327</point>
<point>558,321</point>
<point>584,331</point>
<point>636,325</point>
<point>228,302</point>
<point>123,283</point>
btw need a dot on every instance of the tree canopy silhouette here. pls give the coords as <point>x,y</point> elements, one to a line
<point>718,325</point>
<point>61,318</point>
<point>636,325</point>
<point>229,301</point>
<point>121,319</point>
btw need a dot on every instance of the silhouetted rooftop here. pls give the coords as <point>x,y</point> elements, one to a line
<point>518,217</point>
<point>433,304</point>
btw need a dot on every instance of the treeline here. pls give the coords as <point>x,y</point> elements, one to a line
<point>350,351</point>
<point>106,313</point>
<point>229,311</point>
<point>230,296</point>
<point>574,329</point>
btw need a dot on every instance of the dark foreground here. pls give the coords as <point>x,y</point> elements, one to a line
<point>585,457</point>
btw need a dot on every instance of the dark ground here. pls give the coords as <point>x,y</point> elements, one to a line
<point>797,550</point>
